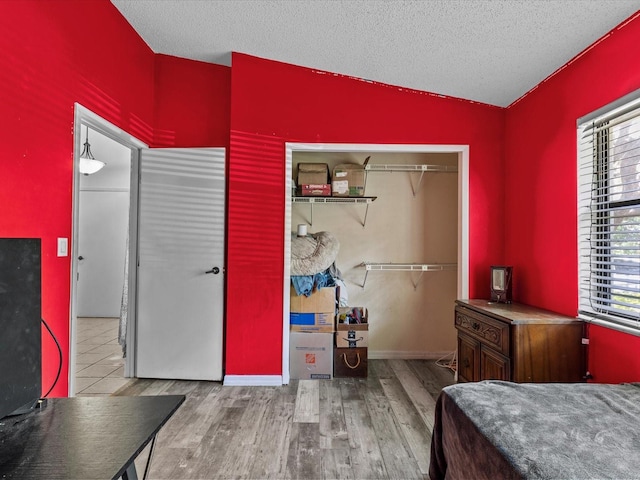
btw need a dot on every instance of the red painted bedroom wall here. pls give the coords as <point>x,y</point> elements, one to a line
<point>273,103</point>
<point>540,188</point>
<point>192,103</point>
<point>51,59</point>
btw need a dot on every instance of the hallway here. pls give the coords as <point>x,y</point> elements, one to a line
<point>99,361</point>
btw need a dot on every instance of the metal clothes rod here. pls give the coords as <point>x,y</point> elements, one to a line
<point>372,167</point>
<point>409,267</point>
<point>411,168</point>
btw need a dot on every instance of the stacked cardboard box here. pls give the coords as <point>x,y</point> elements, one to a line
<point>346,180</point>
<point>313,180</point>
<point>311,337</point>
<point>349,179</point>
<point>351,342</point>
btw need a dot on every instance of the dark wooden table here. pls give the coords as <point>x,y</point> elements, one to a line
<point>82,437</point>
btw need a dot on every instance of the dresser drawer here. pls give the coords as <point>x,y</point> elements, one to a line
<point>488,331</point>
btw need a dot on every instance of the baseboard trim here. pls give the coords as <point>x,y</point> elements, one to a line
<point>403,355</point>
<point>276,380</point>
<point>252,381</point>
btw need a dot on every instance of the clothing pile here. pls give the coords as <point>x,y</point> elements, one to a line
<point>313,264</point>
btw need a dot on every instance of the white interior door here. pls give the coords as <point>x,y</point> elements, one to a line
<point>181,271</point>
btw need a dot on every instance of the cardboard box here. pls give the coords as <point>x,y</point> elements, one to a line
<point>350,362</point>
<point>311,355</point>
<point>352,315</point>
<point>352,336</point>
<point>313,174</point>
<point>349,333</point>
<point>311,322</point>
<point>319,190</point>
<point>348,180</point>
<point>322,300</point>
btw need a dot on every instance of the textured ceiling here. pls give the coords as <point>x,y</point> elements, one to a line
<point>491,51</point>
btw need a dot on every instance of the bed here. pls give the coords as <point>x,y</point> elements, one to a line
<point>503,430</point>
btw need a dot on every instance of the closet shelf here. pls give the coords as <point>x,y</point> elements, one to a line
<point>333,199</point>
<point>409,267</point>
<point>311,201</point>
<point>411,168</point>
<point>372,167</point>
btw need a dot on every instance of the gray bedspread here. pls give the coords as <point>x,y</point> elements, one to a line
<point>537,431</point>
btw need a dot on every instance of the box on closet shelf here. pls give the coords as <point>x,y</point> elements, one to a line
<point>313,180</point>
<point>313,190</point>
<point>348,180</point>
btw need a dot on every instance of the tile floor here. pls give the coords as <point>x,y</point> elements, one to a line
<point>99,361</point>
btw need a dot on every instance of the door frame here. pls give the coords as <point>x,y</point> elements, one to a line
<point>84,116</point>
<point>463,214</point>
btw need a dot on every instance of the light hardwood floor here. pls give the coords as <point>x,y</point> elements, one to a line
<point>373,428</point>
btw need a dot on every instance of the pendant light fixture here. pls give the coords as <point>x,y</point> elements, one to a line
<point>88,164</point>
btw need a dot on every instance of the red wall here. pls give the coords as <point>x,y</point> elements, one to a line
<point>541,193</point>
<point>273,103</point>
<point>54,53</point>
<point>192,103</point>
<point>50,60</point>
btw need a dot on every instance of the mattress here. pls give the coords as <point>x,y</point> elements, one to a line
<point>503,430</point>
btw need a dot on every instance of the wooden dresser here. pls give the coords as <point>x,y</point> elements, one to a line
<point>517,343</point>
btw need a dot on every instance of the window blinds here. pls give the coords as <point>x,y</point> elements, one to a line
<point>609,218</point>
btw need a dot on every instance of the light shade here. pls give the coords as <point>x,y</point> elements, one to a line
<point>88,164</point>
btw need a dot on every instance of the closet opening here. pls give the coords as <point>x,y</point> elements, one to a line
<point>403,246</point>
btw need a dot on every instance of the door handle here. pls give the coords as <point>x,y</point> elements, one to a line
<point>80,257</point>
<point>214,270</point>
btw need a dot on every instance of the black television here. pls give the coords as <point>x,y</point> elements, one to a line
<point>20,331</point>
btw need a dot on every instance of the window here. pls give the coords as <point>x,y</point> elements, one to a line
<point>609,217</point>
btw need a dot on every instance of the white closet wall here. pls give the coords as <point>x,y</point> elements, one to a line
<point>405,322</point>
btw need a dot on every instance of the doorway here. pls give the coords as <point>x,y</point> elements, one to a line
<point>103,254</point>
<point>103,230</point>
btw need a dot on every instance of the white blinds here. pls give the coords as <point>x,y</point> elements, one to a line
<point>609,218</point>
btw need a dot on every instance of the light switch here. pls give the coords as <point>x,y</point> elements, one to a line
<point>63,247</point>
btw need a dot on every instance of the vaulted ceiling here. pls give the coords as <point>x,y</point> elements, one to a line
<point>490,51</point>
